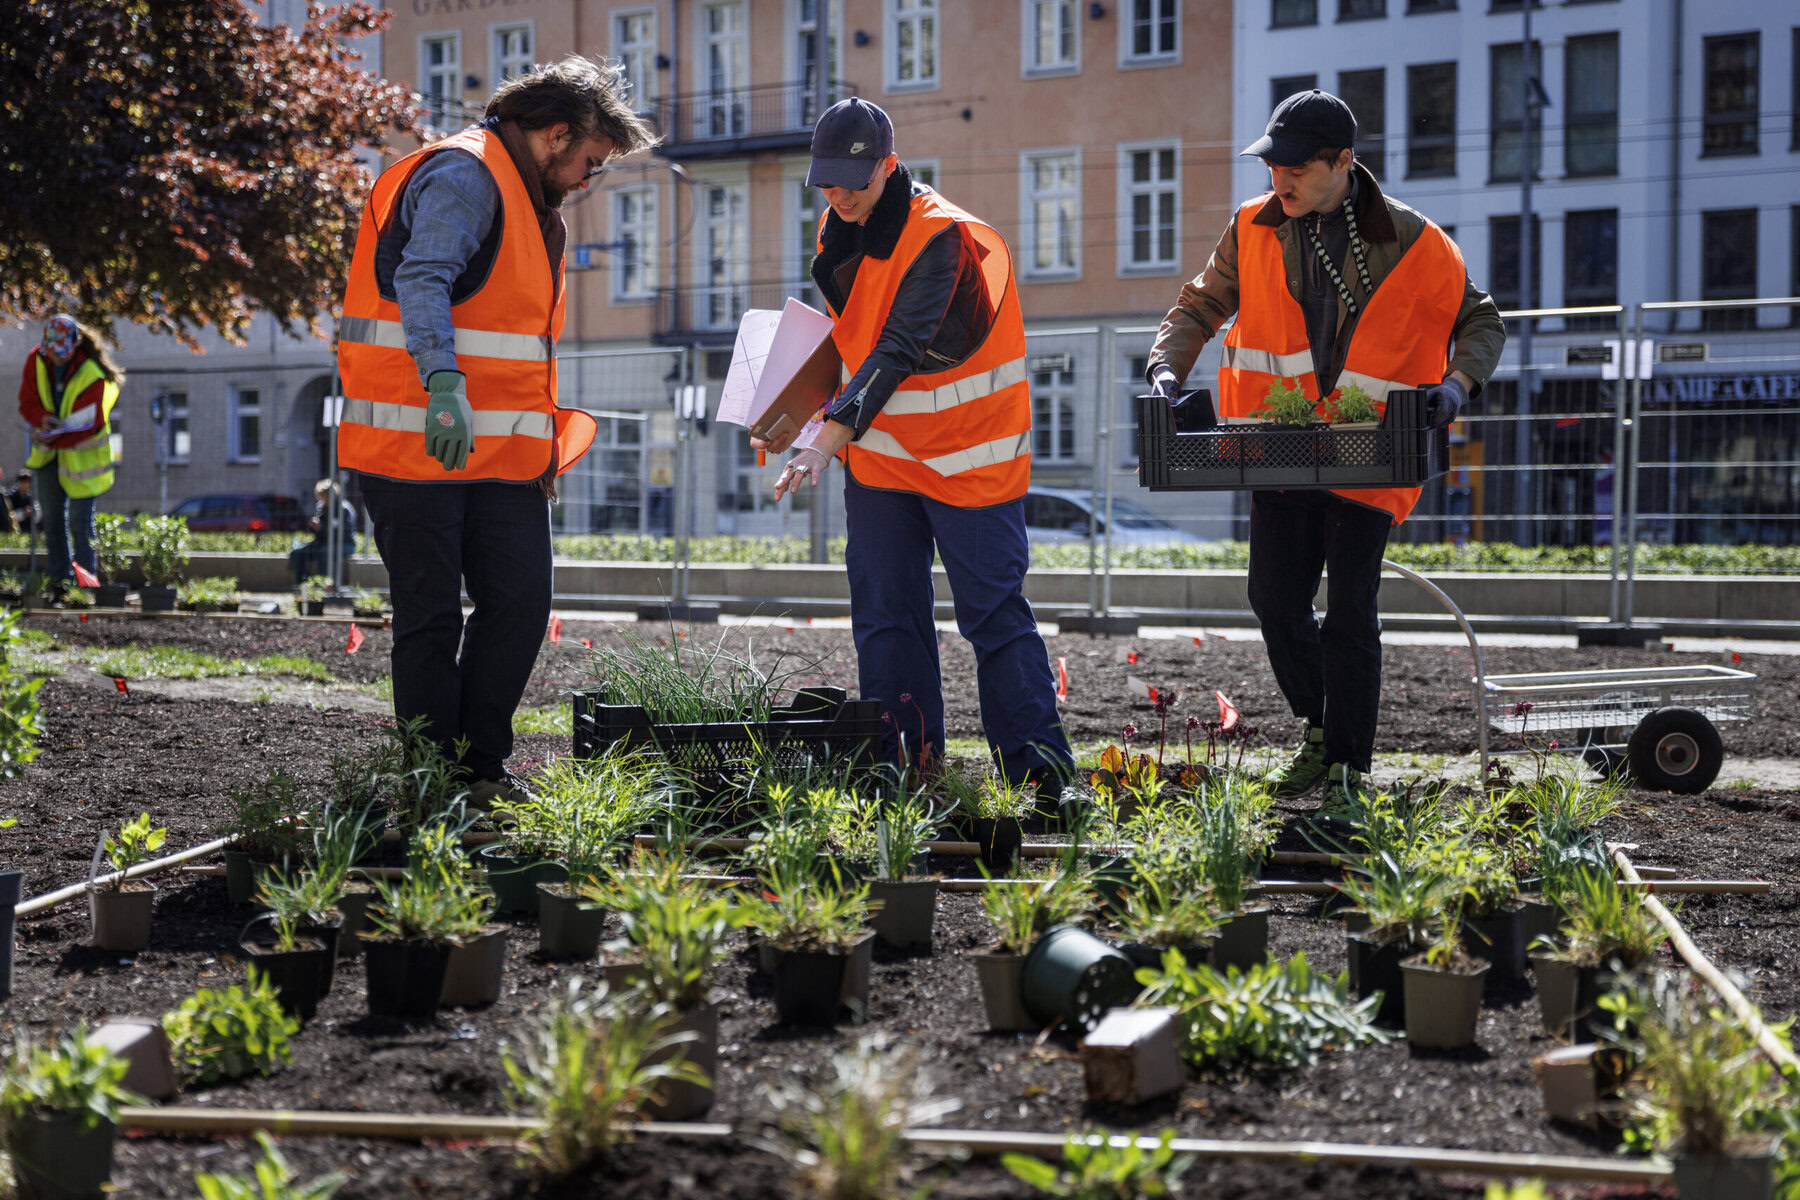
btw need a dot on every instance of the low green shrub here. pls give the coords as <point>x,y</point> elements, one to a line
<point>21,725</point>
<point>1101,1166</point>
<point>135,842</point>
<point>215,1036</point>
<point>72,1074</point>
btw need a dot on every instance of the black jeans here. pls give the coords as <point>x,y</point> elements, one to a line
<point>433,538</point>
<point>1330,673</point>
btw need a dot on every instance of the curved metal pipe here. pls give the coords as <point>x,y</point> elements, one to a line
<point>1481,728</point>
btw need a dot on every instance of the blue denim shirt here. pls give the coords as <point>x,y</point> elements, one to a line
<point>448,206</point>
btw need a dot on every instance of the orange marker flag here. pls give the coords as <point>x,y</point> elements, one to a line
<point>85,577</point>
<point>555,629</point>
<point>119,683</point>
<point>1062,679</point>
<point>1228,713</point>
<point>354,642</point>
<point>587,643</point>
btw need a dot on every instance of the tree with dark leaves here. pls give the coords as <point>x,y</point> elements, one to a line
<point>174,164</point>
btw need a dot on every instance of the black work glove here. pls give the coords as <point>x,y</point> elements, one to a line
<point>1444,402</point>
<point>1163,383</point>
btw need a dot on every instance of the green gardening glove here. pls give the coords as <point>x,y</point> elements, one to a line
<point>449,421</point>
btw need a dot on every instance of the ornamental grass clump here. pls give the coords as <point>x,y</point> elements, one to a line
<point>691,683</point>
<point>902,829</point>
<point>216,1036</point>
<point>677,926</point>
<point>586,1071</point>
<point>1606,923</point>
<point>272,1178</point>
<point>1099,1165</point>
<point>801,913</point>
<point>1022,909</point>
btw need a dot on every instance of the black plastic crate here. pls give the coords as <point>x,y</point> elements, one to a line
<point>1401,452</point>
<point>821,725</point>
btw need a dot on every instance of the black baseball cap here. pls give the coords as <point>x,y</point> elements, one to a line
<point>849,140</point>
<point>1301,126</point>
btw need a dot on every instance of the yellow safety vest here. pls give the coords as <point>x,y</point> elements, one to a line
<point>86,468</point>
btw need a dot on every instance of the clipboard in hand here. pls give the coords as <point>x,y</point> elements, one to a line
<point>803,394</point>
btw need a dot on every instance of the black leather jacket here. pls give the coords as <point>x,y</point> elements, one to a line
<point>940,313</point>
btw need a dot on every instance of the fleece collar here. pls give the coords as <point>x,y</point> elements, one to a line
<point>882,231</point>
<point>1373,221</point>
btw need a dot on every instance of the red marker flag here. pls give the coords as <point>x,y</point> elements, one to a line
<point>1062,679</point>
<point>555,629</point>
<point>1131,656</point>
<point>354,642</point>
<point>587,643</point>
<point>1198,642</point>
<point>119,682</point>
<point>84,618</point>
<point>85,577</point>
<point>1228,713</point>
<point>1141,689</point>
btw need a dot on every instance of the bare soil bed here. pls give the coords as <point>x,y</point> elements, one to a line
<point>108,755</point>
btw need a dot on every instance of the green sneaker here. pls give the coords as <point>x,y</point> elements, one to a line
<point>1305,770</point>
<point>1346,799</point>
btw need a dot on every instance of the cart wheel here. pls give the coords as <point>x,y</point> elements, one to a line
<point>1675,750</point>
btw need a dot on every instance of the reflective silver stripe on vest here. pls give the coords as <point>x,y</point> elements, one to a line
<point>907,402</point>
<point>477,343</point>
<point>1000,450</point>
<point>93,443</point>
<point>1243,358</point>
<point>1377,389</point>
<point>410,418</point>
<point>104,468</point>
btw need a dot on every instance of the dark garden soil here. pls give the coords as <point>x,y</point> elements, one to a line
<point>108,755</point>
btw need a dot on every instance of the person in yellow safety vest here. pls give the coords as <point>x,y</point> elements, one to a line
<point>66,397</point>
<point>1332,283</point>
<point>447,352</point>
<point>933,423</point>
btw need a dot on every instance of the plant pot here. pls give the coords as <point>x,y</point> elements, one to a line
<point>1356,922</point>
<point>569,927</point>
<point>12,888</point>
<point>111,595</point>
<point>1073,977</point>
<point>809,986</point>
<point>1569,1084</point>
<point>621,971</point>
<point>331,932</point>
<point>121,916</point>
<point>1375,967</point>
<point>156,599</point>
<point>405,979</point>
<point>998,839</point>
<point>354,904</point>
<point>908,911</point>
<point>1746,1175</point>
<point>1500,939</point>
<point>1002,995</point>
<point>1141,955</point>
<point>678,1099</point>
<point>57,1157</point>
<point>1442,1006</point>
<point>312,608</point>
<point>243,877</point>
<point>514,880</point>
<point>1556,984</point>
<point>1112,874</point>
<point>473,974</point>
<point>294,974</point>
<point>1243,941</point>
<point>1537,918</point>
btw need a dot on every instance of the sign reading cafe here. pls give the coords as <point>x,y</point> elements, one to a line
<point>1775,388</point>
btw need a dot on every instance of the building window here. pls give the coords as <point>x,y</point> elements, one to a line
<point>1051,214</point>
<point>1591,105</point>
<point>725,295</point>
<point>1414,7</point>
<point>1151,188</point>
<point>512,51</point>
<point>1151,32</point>
<point>913,44</point>
<point>1503,262</point>
<point>805,15</point>
<point>1732,94</point>
<point>634,228</point>
<point>1284,14</point>
<point>1052,37</point>
<point>1508,91</point>
<point>1430,119</point>
<point>924,170</point>
<point>806,239</point>
<point>244,425</point>
<point>440,81</point>
<point>1361,10</point>
<point>1053,411</point>
<point>175,441</point>
<point>1283,86</point>
<point>1728,265</point>
<point>1591,262</point>
<point>1366,94</point>
<point>634,45</point>
<point>727,73</point>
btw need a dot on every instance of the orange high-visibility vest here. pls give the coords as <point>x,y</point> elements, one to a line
<point>961,435</point>
<point>505,346</point>
<point>1400,341</point>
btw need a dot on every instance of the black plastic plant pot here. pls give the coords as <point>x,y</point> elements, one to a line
<point>110,595</point>
<point>405,979</point>
<point>12,889</point>
<point>243,877</point>
<point>312,608</point>
<point>1501,940</point>
<point>998,839</point>
<point>1537,918</point>
<point>476,968</point>
<point>156,599</point>
<point>1748,1174</point>
<point>354,905</point>
<point>514,880</point>
<point>809,986</point>
<point>999,975</point>
<point>1195,954</point>
<point>1073,977</point>
<point>1112,874</point>
<point>59,1156</point>
<point>569,927</point>
<point>330,932</point>
<point>1375,967</point>
<point>680,1099</point>
<point>1242,941</point>
<point>294,974</point>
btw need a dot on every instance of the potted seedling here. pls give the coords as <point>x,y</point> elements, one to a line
<point>312,595</point>
<point>995,811</point>
<point>905,899</point>
<point>121,909</point>
<point>1442,989</point>
<point>477,963</point>
<point>294,962</point>
<point>1160,915</point>
<point>524,856</point>
<point>112,553</point>
<point>1229,853</point>
<point>59,1104</point>
<point>570,925</point>
<point>367,602</point>
<point>1606,929</point>
<point>593,807</point>
<point>266,830</point>
<point>1286,404</point>
<point>341,837</point>
<point>1351,408</point>
<point>416,923</point>
<point>209,595</point>
<point>1401,902</point>
<point>73,595</point>
<point>164,557</point>
<point>1021,910</point>
<point>817,930</point>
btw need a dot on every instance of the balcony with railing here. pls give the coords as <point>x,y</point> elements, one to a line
<point>717,124</point>
<point>708,314</point>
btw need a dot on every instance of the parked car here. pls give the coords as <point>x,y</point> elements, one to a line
<point>1061,515</point>
<point>242,512</point>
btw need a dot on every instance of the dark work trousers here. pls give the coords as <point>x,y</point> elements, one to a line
<point>892,536</point>
<point>1329,672</point>
<point>465,678</point>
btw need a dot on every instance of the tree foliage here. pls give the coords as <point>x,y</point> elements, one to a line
<point>173,163</point>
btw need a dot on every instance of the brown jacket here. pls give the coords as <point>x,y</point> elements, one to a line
<point>1389,229</point>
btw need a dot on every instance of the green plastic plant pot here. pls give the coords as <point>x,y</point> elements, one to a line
<point>1243,941</point>
<point>57,1157</point>
<point>514,880</point>
<point>240,877</point>
<point>1073,977</point>
<point>1442,1007</point>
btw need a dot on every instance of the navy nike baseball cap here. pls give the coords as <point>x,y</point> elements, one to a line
<point>851,138</point>
<point>1301,126</point>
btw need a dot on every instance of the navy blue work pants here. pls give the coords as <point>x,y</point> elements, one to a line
<point>67,519</point>
<point>465,677</point>
<point>1330,673</point>
<point>892,538</point>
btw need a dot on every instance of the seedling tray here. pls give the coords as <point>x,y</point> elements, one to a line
<point>1399,452</point>
<point>821,725</point>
